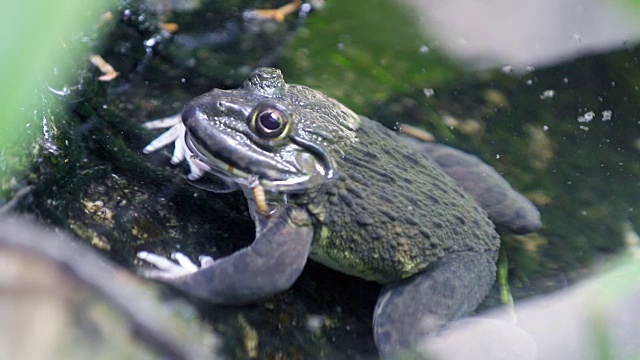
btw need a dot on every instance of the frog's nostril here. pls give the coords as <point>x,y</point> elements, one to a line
<point>221,106</point>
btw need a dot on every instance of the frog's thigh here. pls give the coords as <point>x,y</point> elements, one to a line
<point>504,205</point>
<point>269,265</point>
<point>406,313</point>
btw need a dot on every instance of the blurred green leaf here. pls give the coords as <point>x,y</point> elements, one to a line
<point>33,48</point>
<point>631,5</point>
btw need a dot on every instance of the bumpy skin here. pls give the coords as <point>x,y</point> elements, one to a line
<point>493,193</point>
<point>354,196</point>
<point>393,211</point>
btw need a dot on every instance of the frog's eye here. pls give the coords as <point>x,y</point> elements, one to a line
<point>269,120</point>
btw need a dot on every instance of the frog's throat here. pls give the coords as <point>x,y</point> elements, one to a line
<point>325,172</point>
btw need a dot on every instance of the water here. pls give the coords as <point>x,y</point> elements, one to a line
<point>566,136</point>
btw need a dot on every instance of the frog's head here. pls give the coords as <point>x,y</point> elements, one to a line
<point>285,135</point>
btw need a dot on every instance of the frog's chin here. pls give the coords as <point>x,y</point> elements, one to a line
<point>230,173</point>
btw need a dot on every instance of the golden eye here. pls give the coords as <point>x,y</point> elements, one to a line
<point>269,121</point>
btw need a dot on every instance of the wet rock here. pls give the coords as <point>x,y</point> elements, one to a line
<point>61,300</point>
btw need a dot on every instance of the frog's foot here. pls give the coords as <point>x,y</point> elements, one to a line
<point>176,135</point>
<point>276,14</point>
<point>167,269</point>
<point>268,266</point>
<point>411,312</point>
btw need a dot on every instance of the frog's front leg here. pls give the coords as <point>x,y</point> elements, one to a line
<point>420,306</point>
<point>269,265</point>
<point>175,134</point>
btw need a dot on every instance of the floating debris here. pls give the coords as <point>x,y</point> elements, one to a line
<point>249,337</point>
<point>428,92</point>
<point>450,121</point>
<point>586,117</point>
<point>541,148</point>
<point>470,127</point>
<point>314,323</point>
<point>169,27</point>
<point>278,14</point>
<point>496,98</point>
<point>416,132</point>
<point>507,69</point>
<point>109,73</point>
<point>631,238</point>
<point>547,94</point>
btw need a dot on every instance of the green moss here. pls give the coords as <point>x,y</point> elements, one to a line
<point>364,51</point>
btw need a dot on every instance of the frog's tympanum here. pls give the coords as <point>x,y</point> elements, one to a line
<point>325,183</point>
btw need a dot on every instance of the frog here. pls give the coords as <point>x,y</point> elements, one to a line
<point>326,184</point>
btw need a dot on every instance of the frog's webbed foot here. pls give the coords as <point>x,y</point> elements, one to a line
<point>176,135</point>
<point>410,312</point>
<point>167,269</point>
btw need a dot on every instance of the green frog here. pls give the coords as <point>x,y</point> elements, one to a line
<point>325,183</point>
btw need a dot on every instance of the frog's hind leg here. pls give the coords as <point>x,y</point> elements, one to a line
<point>410,311</point>
<point>504,205</point>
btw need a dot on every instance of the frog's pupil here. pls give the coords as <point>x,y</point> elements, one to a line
<point>270,120</point>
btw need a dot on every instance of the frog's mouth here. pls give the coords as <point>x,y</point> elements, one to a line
<point>230,160</point>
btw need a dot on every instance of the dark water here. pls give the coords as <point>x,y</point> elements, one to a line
<point>567,136</point>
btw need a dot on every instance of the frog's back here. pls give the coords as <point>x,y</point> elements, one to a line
<point>393,211</point>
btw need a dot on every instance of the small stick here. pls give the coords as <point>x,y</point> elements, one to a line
<point>280,13</point>
<point>109,72</point>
